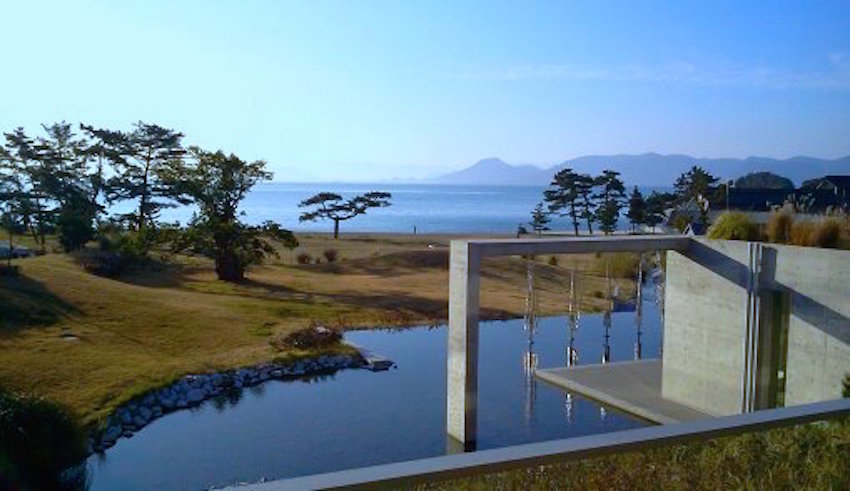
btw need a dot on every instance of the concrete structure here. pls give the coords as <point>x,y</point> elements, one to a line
<point>633,386</point>
<point>747,326</point>
<point>464,281</point>
<point>751,326</point>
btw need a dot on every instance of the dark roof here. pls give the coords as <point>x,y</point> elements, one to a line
<point>755,199</point>
<point>842,182</point>
<point>765,199</point>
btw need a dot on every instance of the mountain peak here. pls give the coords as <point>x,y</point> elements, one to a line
<point>647,169</point>
<point>491,162</point>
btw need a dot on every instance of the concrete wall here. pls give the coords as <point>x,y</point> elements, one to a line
<point>818,281</point>
<point>706,316</point>
<point>705,311</point>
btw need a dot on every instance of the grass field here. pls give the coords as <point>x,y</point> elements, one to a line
<point>91,343</point>
<point>809,456</point>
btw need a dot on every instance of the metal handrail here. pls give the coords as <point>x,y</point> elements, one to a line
<point>556,451</point>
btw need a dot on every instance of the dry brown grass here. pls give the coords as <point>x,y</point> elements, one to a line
<point>92,343</point>
<point>779,226</point>
<point>829,232</point>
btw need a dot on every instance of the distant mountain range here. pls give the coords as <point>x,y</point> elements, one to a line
<point>649,169</point>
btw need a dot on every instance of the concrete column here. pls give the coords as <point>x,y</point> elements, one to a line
<point>462,369</point>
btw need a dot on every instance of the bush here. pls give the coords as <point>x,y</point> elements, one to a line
<point>318,260</point>
<point>311,338</point>
<point>779,225</point>
<point>73,231</point>
<point>330,255</point>
<point>553,260</point>
<point>733,226</point>
<point>102,263</point>
<point>38,440</point>
<point>304,258</point>
<point>827,233</point>
<point>801,233</point>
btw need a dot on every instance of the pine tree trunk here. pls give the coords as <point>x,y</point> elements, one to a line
<point>11,247</point>
<point>227,267</point>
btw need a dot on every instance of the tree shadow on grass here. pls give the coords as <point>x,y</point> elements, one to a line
<point>399,307</point>
<point>25,302</point>
<point>387,265</point>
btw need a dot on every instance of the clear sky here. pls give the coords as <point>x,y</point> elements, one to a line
<point>366,90</point>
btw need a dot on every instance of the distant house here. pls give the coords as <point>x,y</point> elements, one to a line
<point>838,185</point>
<point>749,199</point>
<point>816,196</point>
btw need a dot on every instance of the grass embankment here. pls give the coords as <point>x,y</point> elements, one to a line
<point>91,343</point>
<point>812,456</point>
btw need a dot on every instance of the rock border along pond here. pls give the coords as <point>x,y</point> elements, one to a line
<point>192,390</point>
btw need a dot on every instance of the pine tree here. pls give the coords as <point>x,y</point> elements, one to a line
<point>331,206</point>
<point>150,153</point>
<point>563,196</point>
<point>217,183</point>
<point>539,219</point>
<point>27,178</point>
<point>610,198</point>
<point>584,189</point>
<point>637,209</point>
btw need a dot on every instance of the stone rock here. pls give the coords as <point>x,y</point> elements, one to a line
<point>195,395</point>
<point>111,433</point>
<point>145,413</point>
<point>181,403</point>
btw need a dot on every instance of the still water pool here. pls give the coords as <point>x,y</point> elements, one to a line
<point>356,418</point>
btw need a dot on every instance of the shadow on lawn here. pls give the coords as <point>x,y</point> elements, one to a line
<point>25,302</point>
<point>399,307</point>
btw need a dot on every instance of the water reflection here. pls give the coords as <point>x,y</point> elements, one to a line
<point>529,357</point>
<point>639,310</point>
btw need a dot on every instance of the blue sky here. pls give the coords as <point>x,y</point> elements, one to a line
<point>367,90</point>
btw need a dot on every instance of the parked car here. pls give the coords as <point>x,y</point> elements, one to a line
<point>7,250</point>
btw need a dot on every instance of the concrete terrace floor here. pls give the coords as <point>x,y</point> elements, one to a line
<point>632,386</point>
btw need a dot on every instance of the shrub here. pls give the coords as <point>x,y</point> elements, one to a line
<point>801,233</point>
<point>779,227</point>
<point>733,226</point>
<point>102,263</point>
<point>553,260</point>
<point>73,230</point>
<point>827,233</point>
<point>318,260</point>
<point>311,338</point>
<point>38,440</point>
<point>330,255</point>
<point>304,258</point>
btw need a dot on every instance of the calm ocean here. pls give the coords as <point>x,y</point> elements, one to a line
<point>431,208</point>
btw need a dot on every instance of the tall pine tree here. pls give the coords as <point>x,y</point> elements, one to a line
<point>562,196</point>
<point>610,196</point>
<point>151,152</point>
<point>637,209</point>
